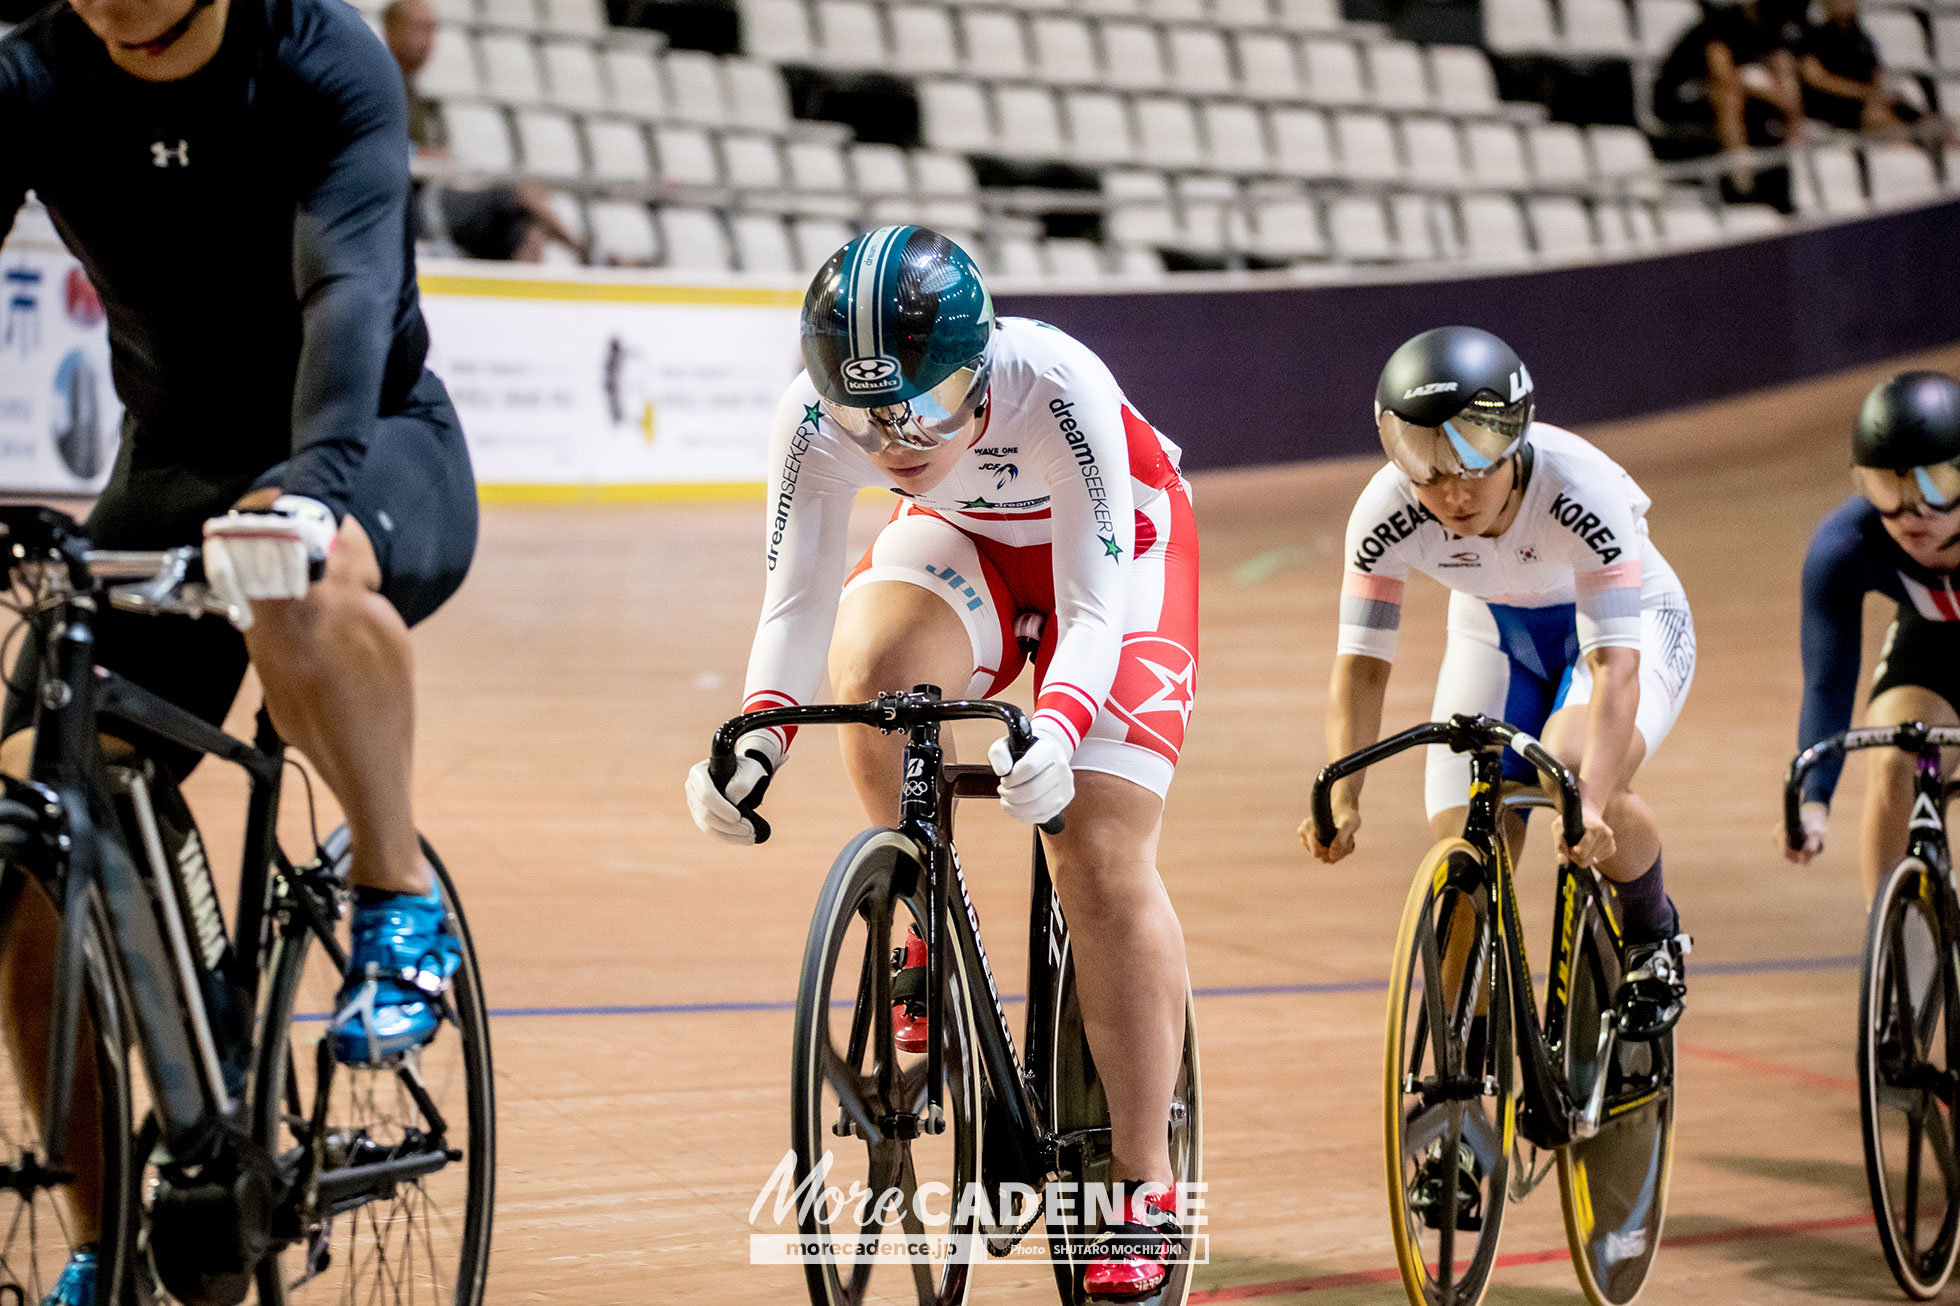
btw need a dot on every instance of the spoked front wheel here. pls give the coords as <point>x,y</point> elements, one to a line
<point>404,1154</point>
<point>1448,1102</point>
<point>1613,1176</point>
<point>881,1185</point>
<point>1906,1062</point>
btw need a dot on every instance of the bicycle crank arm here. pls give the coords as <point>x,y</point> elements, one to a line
<point>340,1191</point>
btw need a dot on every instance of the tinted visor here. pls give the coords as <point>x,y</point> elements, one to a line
<point>925,421</point>
<point>1474,443</point>
<point>1909,489</point>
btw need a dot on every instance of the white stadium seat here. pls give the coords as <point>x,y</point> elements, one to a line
<point>1268,66</point>
<point>1175,11</point>
<point>1140,211</point>
<point>953,115</point>
<point>1598,27</point>
<point>1333,72</point>
<point>454,11</point>
<point>1030,127</point>
<point>1493,229</point>
<point>1424,228</point>
<point>694,87</point>
<point>778,30</point>
<point>1838,187</point>
<point>452,68</point>
<point>1018,256</point>
<point>1234,138</point>
<point>618,150</point>
<point>622,232</point>
<point>1071,259</point>
<point>1901,40</point>
<point>1365,147</point>
<point>1200,62</point>
<point>1065,50</point>
<point>922,39</point>
<point>1662,24</point>
<point>762,244</point>
<point>547,145</point>
<point>1558,153</point>
<point>632,82</point>
<point>1242,13</point>
<point>1688,221</point>
<point>693,240</point>
<point>1946,43</point>
<point>758,98</point>
<point>1301,145</point>
<point>1561,230</point>
<point>575,17</point>
<point>518,15</point>
<point>849,35</point>
<point>1398,75</point>
<point>1751,220</point>
<point>479,137</point>
<point>571,76</point>
<point>1519,26</point>
<point>1288,227</point>
<point>1358,229</point>
<point>817,238</point>
<point>1496,154</point>
<point>879,169</point>
<point>1463,79</point>
<point>1213,213</point>
<point>686,156</point>
<point>1140,263</point>
<point>1900,174</point>
<point>996,46</point>
<point>1168,132</point>
<point>1620,151</point>
<point>1112,8</point>
<point>752,161</point>
<point>944,175</point>
<point>816,170</point>
<point>510,69</point>
<point>1432,152</point>
<point>1098,126</point>
<point>1132,56</point>
<point>1310,15</point>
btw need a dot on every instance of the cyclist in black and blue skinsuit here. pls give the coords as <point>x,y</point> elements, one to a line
<point>233,174</point>
<point>1900,537</point>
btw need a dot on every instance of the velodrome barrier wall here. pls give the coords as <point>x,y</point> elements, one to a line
<point>580,385</point>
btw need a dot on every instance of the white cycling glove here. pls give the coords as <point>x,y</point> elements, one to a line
<point>273,554</point>
<point>1036,788</point>
<point>727,811</point>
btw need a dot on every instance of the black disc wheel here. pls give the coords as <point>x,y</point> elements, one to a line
<point>1079,1110</point>
<point>884,1185</point>
<point>1448,1096</point>
<point>1613,1175</point>
<point>43,1223</point>
<point>403,1154</point>
<point>1906,1062</point>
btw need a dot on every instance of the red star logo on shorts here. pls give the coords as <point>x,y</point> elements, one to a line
<point>1173,690</point>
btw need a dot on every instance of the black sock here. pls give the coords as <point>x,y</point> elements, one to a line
<point>367,897</point>
<point>1646,912</point>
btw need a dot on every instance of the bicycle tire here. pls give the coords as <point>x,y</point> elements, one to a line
<point>1422,1127</point>
<point>1076,1102</point>
<point>878,880</point>
<point>1893,1080</point>
<point>283,1079</point>
<point>33,1274</point>
<point>1613,1186</point>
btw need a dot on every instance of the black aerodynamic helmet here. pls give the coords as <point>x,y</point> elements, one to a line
<point>897,328</point>
<point>1455,401</point>
<point>1905,448</point>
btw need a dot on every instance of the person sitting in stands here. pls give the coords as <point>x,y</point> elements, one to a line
<point>1844,79</point>
<point>1731,84</point>
<point>504,223</point>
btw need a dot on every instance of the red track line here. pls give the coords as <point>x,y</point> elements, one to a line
<point>1816,1079</point>
<point>1361,1278</point>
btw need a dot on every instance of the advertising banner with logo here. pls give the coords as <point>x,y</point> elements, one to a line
<point>610,386</point>
<point>59,419</point>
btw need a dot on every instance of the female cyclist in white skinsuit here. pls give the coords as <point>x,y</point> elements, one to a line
<point>1564,619</point>
<point>1028,485</point>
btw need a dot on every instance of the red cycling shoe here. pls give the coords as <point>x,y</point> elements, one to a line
<point>1133,1256</point>
<point>909,1030</point>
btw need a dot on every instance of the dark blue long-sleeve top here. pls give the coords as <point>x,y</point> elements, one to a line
<point>1851,556</point>
<point>246,228</point>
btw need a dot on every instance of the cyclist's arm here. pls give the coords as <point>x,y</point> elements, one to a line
<point>1605,547</point>
<point>805,557</point>
<point>1371,622</point>
<point>349,247</point>
<point>1836,577</point>
<point>1354,720</point>
<point>1085,454</point>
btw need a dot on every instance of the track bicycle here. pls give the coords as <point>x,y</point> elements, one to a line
<point>1463,1026</point>
<point>968,1110</point>
<point>1908,1005</point>
<point>244,1157</point>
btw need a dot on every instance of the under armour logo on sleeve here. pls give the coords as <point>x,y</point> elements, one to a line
<point>164,155</point>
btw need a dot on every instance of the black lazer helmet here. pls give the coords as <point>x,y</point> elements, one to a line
<point>896,327</point>
<point>1454,401</point>
<point>1905,449</point>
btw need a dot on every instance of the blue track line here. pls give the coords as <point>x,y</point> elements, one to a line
<point>1765,966</point>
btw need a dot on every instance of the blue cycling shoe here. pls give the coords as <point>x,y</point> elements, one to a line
<point>402,959</point>
<point>76,1286</point>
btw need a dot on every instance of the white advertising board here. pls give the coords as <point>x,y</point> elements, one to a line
<point>611,386</point>
<point>59,418</point>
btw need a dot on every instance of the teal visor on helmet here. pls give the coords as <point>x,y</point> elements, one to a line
<point>896,327</point>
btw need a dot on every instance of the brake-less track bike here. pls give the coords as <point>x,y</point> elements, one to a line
<point>1908,1006</point>
<point>969,1108</point>
<point>244,1157</point>
<point>1463,1022</point>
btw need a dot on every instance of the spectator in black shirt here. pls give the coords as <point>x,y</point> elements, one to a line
<point>1844,79</point>
<point>1731,83</point>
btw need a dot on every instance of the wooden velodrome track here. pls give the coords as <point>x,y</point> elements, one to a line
<point>643,972</point>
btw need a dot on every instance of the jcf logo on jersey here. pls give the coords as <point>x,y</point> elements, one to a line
<point>164,155</point>
<point>1925,816</point>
